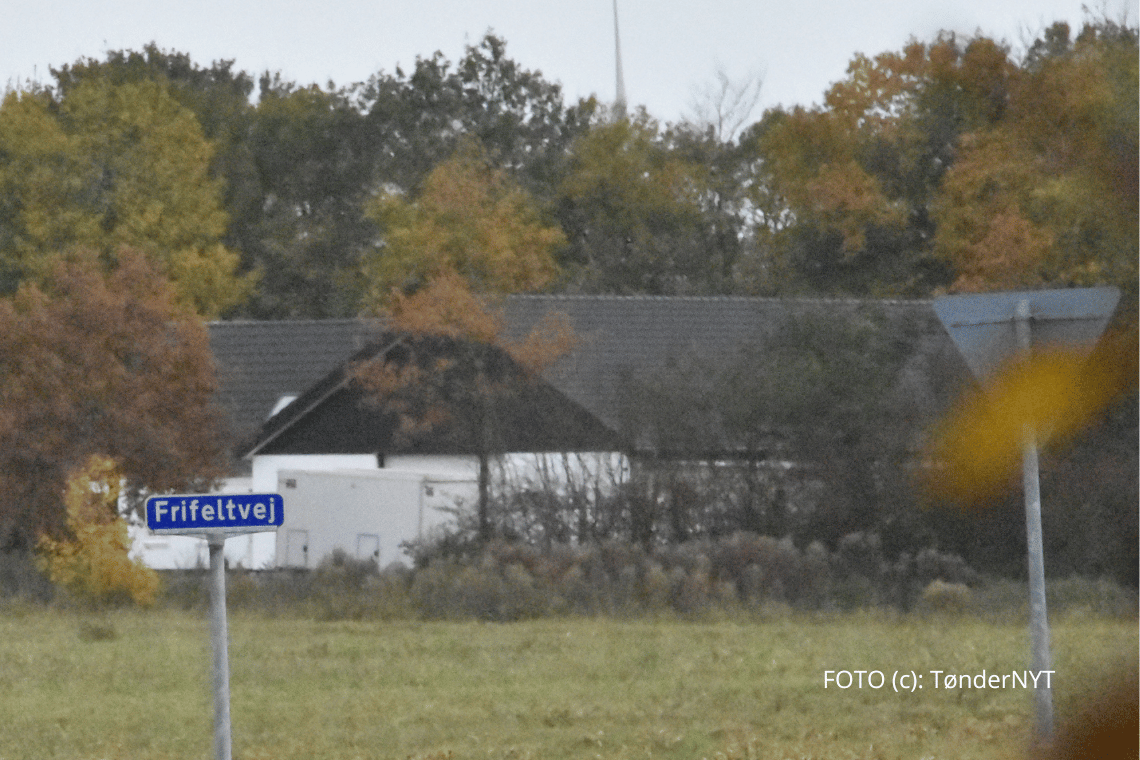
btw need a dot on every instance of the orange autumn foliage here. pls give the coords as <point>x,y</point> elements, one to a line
<point>100,363</point>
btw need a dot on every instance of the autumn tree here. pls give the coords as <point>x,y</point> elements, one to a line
<point>951,163</point>
<point>100,364</point>
<point>1046,195</point>
<point>323,154</point>
<point>469,220</point>
<point>111,166</point>
<point>95,563</point>
<point>858,174</point>
<point>470,236</point>
<point>290,165</point>
<point>217,95</point>
<point>456,373</point>
<point>631,208</point>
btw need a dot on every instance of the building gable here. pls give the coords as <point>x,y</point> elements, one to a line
<point>620,338</point>
<point>524,413</point>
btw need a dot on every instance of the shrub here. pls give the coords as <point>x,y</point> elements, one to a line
<point>340,570</point>
<point>931,565</point>
<point>1085,596</point>
<point>690,591</point>
<point>941,596</point>
<point>448,590</point>
<point>512,580</point>
<point>20,578</point>
<point>94,564</point>
<point>860,554</point>
<point>817,575</point>
<point>655,587</point>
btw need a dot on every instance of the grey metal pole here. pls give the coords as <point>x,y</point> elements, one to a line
<point>219,638</point>
<point>1038,618</point>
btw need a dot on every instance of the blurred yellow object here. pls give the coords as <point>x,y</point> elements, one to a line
<point>1051,396</point>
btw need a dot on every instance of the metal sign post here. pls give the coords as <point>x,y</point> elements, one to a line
<point>991,329</point>
<point>219,642</point>
<point>1031,485</point>
<point>214,517</point>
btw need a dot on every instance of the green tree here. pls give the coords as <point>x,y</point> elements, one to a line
<point>316,171</point>
<point>100,364</point>
<point>111,166</point>
<point>735,204</point>
<point>631,208</point>
<point>417,120</point>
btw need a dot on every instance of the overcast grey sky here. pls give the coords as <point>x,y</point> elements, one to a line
<point>669,47</point>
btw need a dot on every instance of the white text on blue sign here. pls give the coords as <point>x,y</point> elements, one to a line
<point>249,511</point>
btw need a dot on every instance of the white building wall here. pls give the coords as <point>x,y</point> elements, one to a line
<point>429,487</point>
<point>266,466</point>
<point>562,473</point>
<point>451,466</point>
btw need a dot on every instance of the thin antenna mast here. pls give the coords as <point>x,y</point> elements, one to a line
<point>619,94</point>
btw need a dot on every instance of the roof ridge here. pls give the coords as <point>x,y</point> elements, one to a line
<point>765,299</point>
<point>305,321</point>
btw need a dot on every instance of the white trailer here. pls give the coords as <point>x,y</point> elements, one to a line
<point>365,513</point>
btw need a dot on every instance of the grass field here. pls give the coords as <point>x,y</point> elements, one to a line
<point>136,685</point>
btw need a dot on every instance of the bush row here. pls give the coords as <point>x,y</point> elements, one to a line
<point>513,580</point>
<point>747,573</point>
<point>510,581</point>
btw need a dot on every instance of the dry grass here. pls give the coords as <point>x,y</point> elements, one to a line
<point>136,685</point>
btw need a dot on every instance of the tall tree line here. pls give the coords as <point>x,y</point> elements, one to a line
<point>952,164</point>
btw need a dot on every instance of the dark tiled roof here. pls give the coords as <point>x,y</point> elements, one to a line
<point>634,336</point>
<point>258,362</point>
<point>621,337</point>
<point>336,415</point>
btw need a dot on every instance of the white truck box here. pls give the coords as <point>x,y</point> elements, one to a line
<point>365,513</point>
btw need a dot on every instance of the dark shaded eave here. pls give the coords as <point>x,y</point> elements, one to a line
<point>337,416</point>
<point>328,387</point>
<point>260,361</point>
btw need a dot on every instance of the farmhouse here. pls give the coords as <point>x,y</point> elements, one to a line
<point>293,405</point>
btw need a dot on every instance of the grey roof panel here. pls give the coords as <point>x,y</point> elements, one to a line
<point>258,362</point>
<point>635,336</point>
<point>620,336</point>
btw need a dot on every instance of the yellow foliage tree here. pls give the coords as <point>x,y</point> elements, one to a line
<point>94,563</point>
<point>955,162</point>
<point>113,166</point>
<point>470,220</point>
<point>1046,196</point>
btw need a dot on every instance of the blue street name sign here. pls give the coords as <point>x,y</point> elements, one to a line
<point>215,513</point>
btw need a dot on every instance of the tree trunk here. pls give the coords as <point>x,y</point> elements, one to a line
<point>484,498</point>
